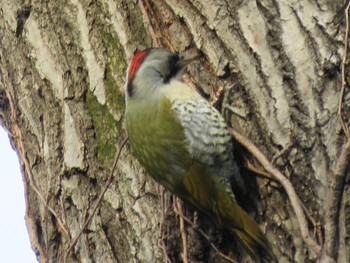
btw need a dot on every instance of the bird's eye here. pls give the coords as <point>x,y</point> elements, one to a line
<point>172,68</point>
<point>173,59</point>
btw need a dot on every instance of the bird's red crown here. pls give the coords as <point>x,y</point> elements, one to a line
<point>136,63</point>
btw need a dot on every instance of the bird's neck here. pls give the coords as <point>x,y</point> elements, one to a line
<point>175,89</point>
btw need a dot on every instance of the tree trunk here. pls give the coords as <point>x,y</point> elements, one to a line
<point>274,68</point>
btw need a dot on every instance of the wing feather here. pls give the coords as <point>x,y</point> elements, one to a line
<point>208,140</point>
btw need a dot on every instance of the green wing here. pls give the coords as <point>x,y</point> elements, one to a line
<point>159,142</point>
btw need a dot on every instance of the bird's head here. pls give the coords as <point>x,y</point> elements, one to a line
<point>151,69</point>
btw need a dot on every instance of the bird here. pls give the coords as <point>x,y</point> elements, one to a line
<point>184,144</point>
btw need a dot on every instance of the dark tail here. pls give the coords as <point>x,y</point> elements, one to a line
<point>252,238</point>
<point>245,229</point>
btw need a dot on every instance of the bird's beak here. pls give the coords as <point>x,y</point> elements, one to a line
<point>184,62</point>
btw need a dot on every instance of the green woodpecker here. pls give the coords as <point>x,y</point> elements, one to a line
<point>185,145</point>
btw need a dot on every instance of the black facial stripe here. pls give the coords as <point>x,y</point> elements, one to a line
<point>173,68</point>
<point>130,89</point>
<point>173,59</point>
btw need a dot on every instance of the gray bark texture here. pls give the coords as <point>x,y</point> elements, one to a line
<point>277,70</point>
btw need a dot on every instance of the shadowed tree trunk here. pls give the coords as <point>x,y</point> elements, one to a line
<point>275,69</point>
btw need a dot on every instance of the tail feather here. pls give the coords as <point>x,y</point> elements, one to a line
<point>247,231</point>
<point>255,243</point>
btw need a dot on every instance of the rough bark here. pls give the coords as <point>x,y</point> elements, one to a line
<point>278,64</point>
